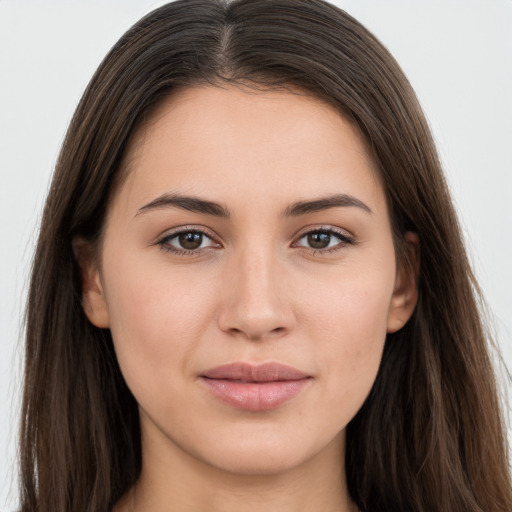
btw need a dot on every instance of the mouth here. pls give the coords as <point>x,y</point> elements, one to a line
<point>255,387</point>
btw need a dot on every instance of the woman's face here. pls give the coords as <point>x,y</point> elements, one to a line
<point>248,276</point>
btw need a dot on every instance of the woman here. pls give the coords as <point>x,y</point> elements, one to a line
<point>250,289</point>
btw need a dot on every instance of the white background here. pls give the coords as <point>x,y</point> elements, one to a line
<point>457,54</point>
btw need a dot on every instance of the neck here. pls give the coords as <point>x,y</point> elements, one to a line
<point>177,481</point>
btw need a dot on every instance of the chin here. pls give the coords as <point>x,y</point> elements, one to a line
<point>268,455</point>
<point>261,463</point>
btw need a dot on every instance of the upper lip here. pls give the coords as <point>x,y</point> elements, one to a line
<point>246,372</point>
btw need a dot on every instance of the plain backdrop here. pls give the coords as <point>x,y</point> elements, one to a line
<point>457,54</point>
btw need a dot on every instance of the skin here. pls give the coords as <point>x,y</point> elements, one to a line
<point>256,291</point>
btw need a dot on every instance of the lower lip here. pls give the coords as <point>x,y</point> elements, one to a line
<point>255,396</point>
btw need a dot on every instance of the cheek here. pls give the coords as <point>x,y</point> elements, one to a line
<point>350,320</point>
<point>156,317</point>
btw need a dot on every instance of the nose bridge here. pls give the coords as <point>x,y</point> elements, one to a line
<point>256,304</point>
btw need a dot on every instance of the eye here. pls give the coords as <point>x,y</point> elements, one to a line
<point>186,241</point>
<point>323,240</point>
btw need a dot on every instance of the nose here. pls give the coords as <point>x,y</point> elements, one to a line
<point>256,305</point>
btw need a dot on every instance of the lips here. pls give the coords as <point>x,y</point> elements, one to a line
<point>255,387</point>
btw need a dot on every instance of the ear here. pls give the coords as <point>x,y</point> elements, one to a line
<point>405,293</point>
<point>94,302</point>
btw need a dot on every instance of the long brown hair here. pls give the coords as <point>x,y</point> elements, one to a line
<point>430,436</point>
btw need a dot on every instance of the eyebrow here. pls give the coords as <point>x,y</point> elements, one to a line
<point>197,205</point>
<point>324,203</point>
<point>189,203</point>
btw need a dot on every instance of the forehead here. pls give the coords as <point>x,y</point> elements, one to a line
<point>224,140</point>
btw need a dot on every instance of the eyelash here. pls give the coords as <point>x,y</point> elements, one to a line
<point>343,239</point>
<point>164,241</point>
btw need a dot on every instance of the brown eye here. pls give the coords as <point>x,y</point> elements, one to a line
<point>319,240</point>
<point>187,242</point>
<point>324,239</point>
<point>190,240</point>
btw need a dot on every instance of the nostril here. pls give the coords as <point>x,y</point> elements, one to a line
<point>254,335</point>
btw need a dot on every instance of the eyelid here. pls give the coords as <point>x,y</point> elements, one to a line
<point>185,229</point>
<point>169,234</point>
<point>345,238</point>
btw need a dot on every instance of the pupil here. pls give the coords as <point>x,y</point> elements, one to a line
<point>190,240</point>
<point>319,240</point>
